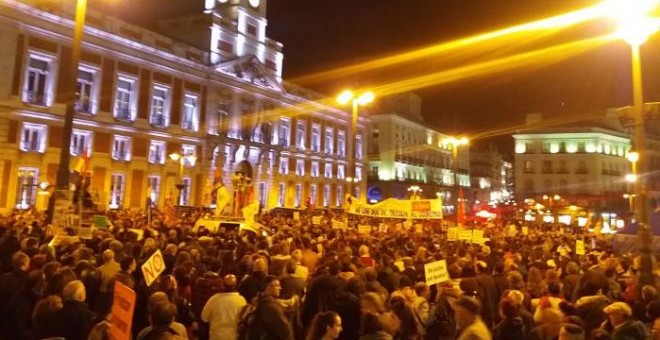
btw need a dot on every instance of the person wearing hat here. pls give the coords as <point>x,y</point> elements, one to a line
<point>468,316</point>
<point>621,324</point>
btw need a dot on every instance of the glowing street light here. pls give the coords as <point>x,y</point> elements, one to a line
<point>356,101</point>
<point>635,26</point>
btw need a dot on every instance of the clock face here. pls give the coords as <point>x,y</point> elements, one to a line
<point>254,3</point>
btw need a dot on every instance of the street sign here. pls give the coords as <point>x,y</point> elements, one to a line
<point>154,266</point>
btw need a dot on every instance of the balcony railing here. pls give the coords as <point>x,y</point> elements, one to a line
<point>156,159</point>
<point>158,120</point>
<point>187,124</point>
<point>77,151</point>
<point>83,106</point>
<point>36,98</point>
<point>30,146</point>
<point>120,156</point>
<point>123,113</point>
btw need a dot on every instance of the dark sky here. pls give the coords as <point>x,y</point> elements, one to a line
<point>320,35</point>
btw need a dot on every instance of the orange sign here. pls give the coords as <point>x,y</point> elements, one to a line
<point>121,316</point>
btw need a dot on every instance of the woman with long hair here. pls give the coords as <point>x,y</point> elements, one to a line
<point>325,326</point>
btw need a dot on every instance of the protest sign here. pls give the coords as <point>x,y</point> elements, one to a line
<point>121,315</point>
<point>436,272</point>
<point>101,221</point>
<point>419,228</point>
<point>465,235</point>
<point>393,208</point>
<point>338,225</point>
<point>525,230</point>
<point>382,228</point>
<point>364,229</point>
<point>452,234</point>
<point>85,232</point>
<point>579,247</point>
<point>154,266</point>
<point>316,220</point>
<point>296,215</point>
<point>478,236</point>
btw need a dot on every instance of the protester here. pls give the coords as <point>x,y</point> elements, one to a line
<point>472,327</point>
<point>222,311</point>
<point>325,326</point>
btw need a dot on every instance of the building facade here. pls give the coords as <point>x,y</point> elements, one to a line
<point>405,154</point>
<point>491,176</point>
<point>212,90</point>
<point>584,165</point>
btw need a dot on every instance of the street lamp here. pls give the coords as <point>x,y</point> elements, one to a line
<point>635,26</point>
<point>455,143</point>
<point>356,100</point>
<point>190,159</point>
<point>414,190</point>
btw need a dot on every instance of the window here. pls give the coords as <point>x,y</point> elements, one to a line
<point>153,182</point>
<point>33,137</point>
<point>281,194</point>
<point>582,167</point>
<point>546,167</point>
<point>121,148</point>
<point>125,98</point>
<point>157,152</point>
<point>315,169</point>
<point>284,132</point>
<point>190,112</point>
<point>327,173</point>
<point>271,161</point>
<point>185,192</point>
<point>316,138</point>
<point>300,167</point>
<point>312,194</point>
<point>38,85</point>
<point>356,192</point>
<point>329,141</point>
<point>160,106</point>
<point>340,196</point>
<point>86,90</point>
<point>358,147</point>
<point>81,141</point>
<point>222,123</point>
<point>374,171</point>
<point>26,187</point>
<point>326,195</point>
<point>528,167</point>
<point>188,150</point>
<point>251,30</point>
<point>261,191</point>
<point>284,165</point>
<point>117,187</point>
<point>300,134</point>
<point>341,144</point>
<point>298,194</point>
<point>358,173</point>
<point>340,172</point>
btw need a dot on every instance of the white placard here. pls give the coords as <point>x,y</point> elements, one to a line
<point>436,272</point>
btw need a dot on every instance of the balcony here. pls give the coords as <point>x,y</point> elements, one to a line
<point>156,159</point>
<point>36,98</point>
<point>158,120</point>
<point>187,124</point>
<point>123,114</point>
<point>83,106</point>
<point>30,146</point>
<point>121,156</point>
<point>77,151</point>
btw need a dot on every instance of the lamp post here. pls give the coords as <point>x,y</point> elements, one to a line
<point>635,26</point>
<point>455,143</point>
<point>182,161</point>
<point>69,97</point>
<point>414,191</point>
<point>356,101</point>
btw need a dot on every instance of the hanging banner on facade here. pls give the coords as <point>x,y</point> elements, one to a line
<point>393,208</point>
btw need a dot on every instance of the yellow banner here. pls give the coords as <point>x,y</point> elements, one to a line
<point>393,208</point>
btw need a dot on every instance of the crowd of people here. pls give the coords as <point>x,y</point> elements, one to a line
<point>307,281</point>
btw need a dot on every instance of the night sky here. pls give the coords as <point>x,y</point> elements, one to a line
<point>319,35</point>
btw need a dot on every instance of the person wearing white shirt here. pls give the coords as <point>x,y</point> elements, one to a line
<point>222,311</point>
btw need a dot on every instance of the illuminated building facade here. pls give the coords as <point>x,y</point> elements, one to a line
<point>404,152</point>
<point>208,85</point>
<point>492,177</point>
<point>584,163</point>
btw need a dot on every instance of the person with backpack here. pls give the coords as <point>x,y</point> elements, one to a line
<point>266,320</point>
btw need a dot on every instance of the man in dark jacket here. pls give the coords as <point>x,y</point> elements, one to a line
<point>249,286</point>
<point>489,289</point>
<point>74,320</point>
<point>621,324</point>
<point>12,282</point>
<point>269,319</point>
